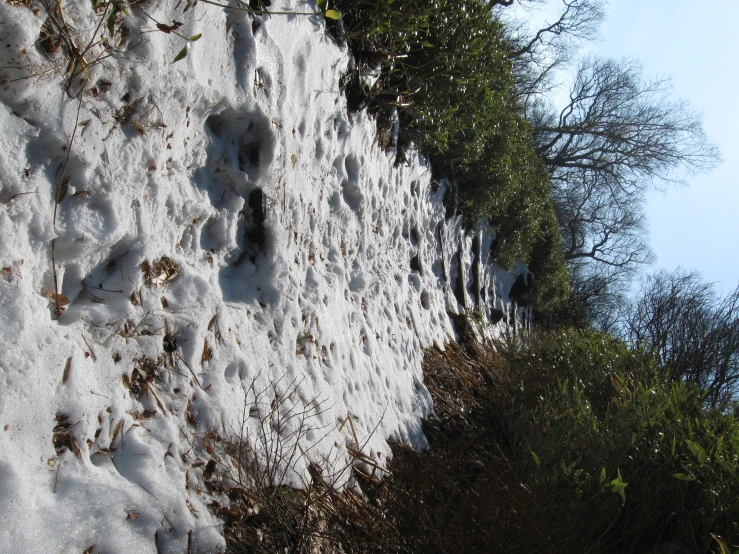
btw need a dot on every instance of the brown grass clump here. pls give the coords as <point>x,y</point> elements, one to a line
<point>266,515</point>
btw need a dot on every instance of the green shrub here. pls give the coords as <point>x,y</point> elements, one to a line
<point>446,70</point>
<point>611,437</point>
<point>444,66</point>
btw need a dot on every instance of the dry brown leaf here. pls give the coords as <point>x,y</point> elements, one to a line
<point>116,429</point>
<point>62,189</point>
<point>146,268</point>
<point>209,469</point>
<point>165,269</point>
<point>67,370</point>
<point>190,507</point>
<point>63,300</point>
<point>169,28</point>
<point>294,160</point>
<point>160,271</point>
<point>74,447</point>
<point>207,353</point>
<point>141,129</point>
<point>16,195</point>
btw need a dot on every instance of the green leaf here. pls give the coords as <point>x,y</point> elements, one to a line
<point>110,22</point>
<point>196,37</point>
<point>427,44</point>
<point>718,448</point>
<point>618,485</point>
<point>603,478</point>
<point>181,54</point>
<point>683,476</point>
<point>536,459</point>
<point>319,2</point>
<point>332,14</point>
<point>697,451</point>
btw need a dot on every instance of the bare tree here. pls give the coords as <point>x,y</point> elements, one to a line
<point>604,240</point>
<point>625,127</point>
<point>538,55</point>
<point>601,221</point>
<point>691,329</point>
<point>617,136</point>
<point>598,296</point>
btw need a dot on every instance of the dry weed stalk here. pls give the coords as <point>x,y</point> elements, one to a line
<point>269,455</point>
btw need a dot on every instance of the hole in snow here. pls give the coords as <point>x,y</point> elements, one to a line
<point>254,230</point>
<point>245,137</point>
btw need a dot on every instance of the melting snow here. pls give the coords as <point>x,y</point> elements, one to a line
<point>227,228</point>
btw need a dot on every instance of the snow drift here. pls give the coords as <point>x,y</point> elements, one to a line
<point>218,226</point>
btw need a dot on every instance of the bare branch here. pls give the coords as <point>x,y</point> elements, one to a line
<point>691,330</point>
<point>618,123</point>
<point>538,56</point>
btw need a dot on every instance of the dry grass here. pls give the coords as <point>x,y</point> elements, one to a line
<point>476,489</point>
<point>462,495</point>
<point>266,515</point>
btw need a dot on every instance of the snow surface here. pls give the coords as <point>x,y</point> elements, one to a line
<point>304,264</point>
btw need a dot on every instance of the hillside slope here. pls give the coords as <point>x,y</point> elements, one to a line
<point>224,237</point>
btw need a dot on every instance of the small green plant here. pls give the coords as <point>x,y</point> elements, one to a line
<point>476,316</point>
<point>616,485</point>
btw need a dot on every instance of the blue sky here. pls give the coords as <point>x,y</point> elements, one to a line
<point>697,44</point>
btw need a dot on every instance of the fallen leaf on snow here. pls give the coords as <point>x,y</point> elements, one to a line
<point>67,370</point>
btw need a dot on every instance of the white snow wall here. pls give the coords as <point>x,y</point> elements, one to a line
<point>308,265</point>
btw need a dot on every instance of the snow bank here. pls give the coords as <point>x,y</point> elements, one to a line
<point>227,226</point>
